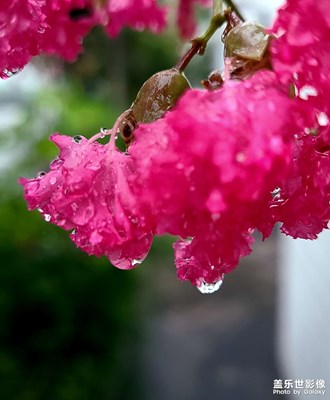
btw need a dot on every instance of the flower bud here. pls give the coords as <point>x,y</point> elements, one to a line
<point>247,40</point>
<point>157,95</point>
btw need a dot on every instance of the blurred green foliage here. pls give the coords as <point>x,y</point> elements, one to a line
<point>69,323</point>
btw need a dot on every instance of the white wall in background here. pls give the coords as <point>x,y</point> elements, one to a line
<point>304,309</point>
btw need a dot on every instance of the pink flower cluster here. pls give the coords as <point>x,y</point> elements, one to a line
<point>301,59</point>
<point>217,159</point>
<point>88,190</point>
<point>216,167</point>
<point>57,27</point>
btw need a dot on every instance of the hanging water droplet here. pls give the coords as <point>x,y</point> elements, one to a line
<point>47,217</point>
<point>136,262</point>
<point>208,288</point>
<point>9,74</point>
<point>41,174</point>
<point>77,138</point>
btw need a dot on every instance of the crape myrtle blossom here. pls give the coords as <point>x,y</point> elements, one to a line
<point>216,178</point>
<point>68,22</point>
<point>58,27</point>
<point>215,167</point>
<point>301,58</point>
<point>136,14</point>
<point>218,158</point>
<point>21,26</point>
<point>88,191</point>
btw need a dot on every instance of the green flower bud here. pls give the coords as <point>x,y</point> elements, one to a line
<point>157,95</point>
<point>247,41</point>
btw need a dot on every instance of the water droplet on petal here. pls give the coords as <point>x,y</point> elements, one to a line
<point>40,210</point>
<point>52,180</point>
<point>95,238</point>
<point>82,212</point>
<point>9,74</point>
<point>276,192</point>
<point>103,132</point>
<point>208,288</point>
<point>277,198</point>
<point>47,217</point>
<point>55,164</point>
<point>307,91</point>
<point>133,219</point>
<point>77,139</point>
<point>41,174</point>
<point>323,119</point>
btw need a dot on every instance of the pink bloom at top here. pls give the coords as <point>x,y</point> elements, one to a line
<point>58,27</point>
<point>137,14</point>
<point>186,17</point>
<point>22,23</point>
<point>211,165</point>
<point>69,21</point>
<point>89,190</point>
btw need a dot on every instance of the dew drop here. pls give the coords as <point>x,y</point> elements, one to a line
<point>77,139</point>
<point>9,74</point>
<point>52,180</point>
<point>307,91</point>
<point>55,164</point>
<point>40,210</point>
<point>47,217</point>
<point>208,288</point>
<point>41,174</point>
<point>136,262</point>
<point>134,220</point>
<point>276,193</point>
<point>323,119</point>
<point>103,132</point>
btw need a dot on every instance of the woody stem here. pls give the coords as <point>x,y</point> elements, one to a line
<point>234,8</point>
<point>217,7</point>
<point>198,44</point>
